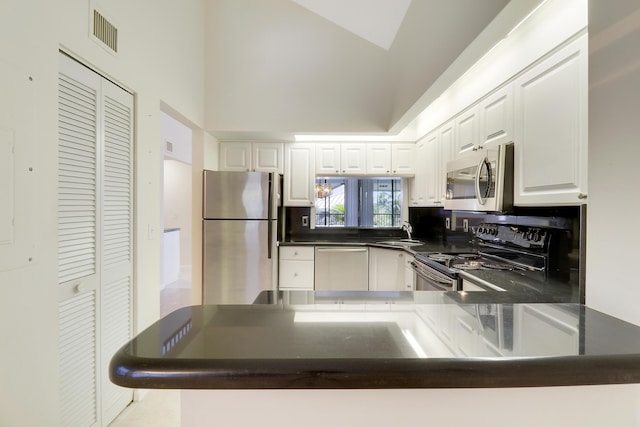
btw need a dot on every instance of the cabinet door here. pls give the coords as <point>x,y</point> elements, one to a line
<point>299,175</point>
<point>296,275</point>
<point>378,158</point>
<point>467,130</point>
<point>418,185</point>
<point>267,157</point>
<point>447,151</point>
<point>551,130</point>
<point>235,156</point>
<point>402,158</point>
<point>328,158</point>
<point>433,170</point>
<point>353,158</point>
<point>386,270</point>
<point>409,275</point>
<point>496,117</point>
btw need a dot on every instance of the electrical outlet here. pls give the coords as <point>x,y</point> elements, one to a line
<point>305,220</point>
<point>447,223</point>
<point>465,225</point>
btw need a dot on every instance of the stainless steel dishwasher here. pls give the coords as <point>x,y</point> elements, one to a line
<point>343,268</point>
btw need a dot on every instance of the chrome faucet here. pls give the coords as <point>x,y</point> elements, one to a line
<point>407,227</point>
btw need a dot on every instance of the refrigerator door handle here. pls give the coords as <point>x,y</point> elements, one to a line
<point>270,198</point>
<point>269,239</point>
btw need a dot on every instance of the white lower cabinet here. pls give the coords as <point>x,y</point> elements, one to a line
<point>296,268</point>
<point>388,270</point>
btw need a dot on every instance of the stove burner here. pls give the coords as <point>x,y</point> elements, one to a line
<point>468,256</point>
<point>441,257</point>
<point>469,265</point>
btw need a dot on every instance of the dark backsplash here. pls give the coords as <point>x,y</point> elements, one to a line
<point>429,225</point>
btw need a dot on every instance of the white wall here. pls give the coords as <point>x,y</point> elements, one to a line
<point>613,234</point>
<point>155,44</point>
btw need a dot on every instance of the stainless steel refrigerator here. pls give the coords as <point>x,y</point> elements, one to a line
<point>239,233</point>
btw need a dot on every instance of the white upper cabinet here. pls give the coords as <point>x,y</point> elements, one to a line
<point>267,157</point>
<point>432,154</point>
<point>378,158</point>
<point>432,165</point>
<point>446,151</point>
<point>247,156</point>
<point>328,158</point>
<point>373,158</point>
<point>403,158</point>
<point>235,156</point>
<point>299,174</point>
<point>467,125</point>
<point>418,185</point>
<point>353,158</point>
<point>496,117</point>
<point>551,129</point>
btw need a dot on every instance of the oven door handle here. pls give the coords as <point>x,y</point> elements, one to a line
<point>422,273</point>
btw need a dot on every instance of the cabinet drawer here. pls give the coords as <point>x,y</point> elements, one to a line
<point>296,274</point>
<point>297,253</point>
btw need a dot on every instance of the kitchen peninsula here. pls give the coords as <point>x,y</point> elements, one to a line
<point>384,342</point>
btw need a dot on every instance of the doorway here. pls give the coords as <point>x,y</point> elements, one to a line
<point>177,258</point>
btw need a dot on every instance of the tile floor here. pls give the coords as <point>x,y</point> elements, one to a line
<point>159,408</point>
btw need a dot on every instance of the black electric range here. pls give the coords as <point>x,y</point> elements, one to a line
<point>542,251</point>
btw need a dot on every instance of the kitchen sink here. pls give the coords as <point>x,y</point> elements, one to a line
<point>401,242</point>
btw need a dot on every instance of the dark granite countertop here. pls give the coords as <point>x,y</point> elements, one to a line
<point>521,286</point>
<point>301,339</point>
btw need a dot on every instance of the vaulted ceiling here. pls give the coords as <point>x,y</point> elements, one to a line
<point>279,67</point>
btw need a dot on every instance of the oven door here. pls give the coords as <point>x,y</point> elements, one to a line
<point>429,279</point>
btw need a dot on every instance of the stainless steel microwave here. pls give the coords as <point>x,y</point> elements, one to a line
<point>481,181</point>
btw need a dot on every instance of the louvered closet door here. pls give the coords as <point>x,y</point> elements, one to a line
<point>78,252</point>
<point>117,229</point>
<point>95,241</point>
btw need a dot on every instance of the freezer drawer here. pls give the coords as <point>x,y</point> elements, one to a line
<point>342,268</point>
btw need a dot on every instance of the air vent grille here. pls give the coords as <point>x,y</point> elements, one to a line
<point>105,31</point>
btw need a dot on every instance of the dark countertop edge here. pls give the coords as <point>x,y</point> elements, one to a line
<point>133,372</point>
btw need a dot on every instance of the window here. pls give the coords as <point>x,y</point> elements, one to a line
<point>358,202</point>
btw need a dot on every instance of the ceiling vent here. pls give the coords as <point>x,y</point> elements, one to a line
<point>105,32</point>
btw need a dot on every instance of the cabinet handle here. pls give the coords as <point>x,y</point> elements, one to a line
<point>337,171</point>
<point>582,196</point>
